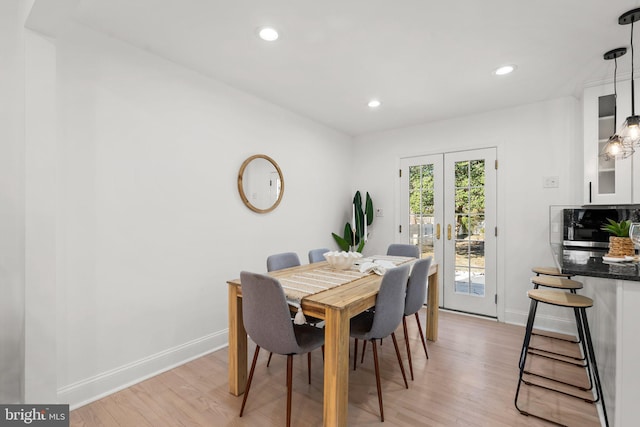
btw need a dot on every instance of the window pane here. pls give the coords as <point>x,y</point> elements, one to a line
<point>462,200</point>
<point>476,200</point>
<point>462,174</point>
<point>476,282</point>
<point>476,227</point>
<point>477,173</point>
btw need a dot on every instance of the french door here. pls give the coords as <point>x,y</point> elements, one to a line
<point>449,211</point>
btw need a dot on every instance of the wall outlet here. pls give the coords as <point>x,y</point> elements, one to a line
<point>551,182</point>
<point>379,212</point>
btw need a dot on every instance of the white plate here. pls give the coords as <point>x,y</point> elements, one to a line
<point>616,259</point>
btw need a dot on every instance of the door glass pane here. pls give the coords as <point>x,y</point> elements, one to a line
<point>606,128</point>
<point>462,200</point>
<point>462,174</point>
<point>470,231</point>
<point>421,208</point>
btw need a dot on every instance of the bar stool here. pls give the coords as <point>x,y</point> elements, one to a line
<point>550,271</point>
<point>579,304</point>
<point>557,282</point>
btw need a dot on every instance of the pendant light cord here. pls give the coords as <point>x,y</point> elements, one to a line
<point>615,93</point>
<point>633,99</point>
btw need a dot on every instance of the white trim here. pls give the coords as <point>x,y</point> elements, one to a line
<point>91,389</point>
<point>543,322</point>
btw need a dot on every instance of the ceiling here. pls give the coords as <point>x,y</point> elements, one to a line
<point>425,60</point>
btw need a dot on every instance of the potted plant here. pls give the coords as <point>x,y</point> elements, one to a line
<point>620,244</point>
<point>356,233</point>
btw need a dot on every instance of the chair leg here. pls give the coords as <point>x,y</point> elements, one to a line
<point>377,368</point>
<point>309,366</point>
<point>395,344</point>
<point>269,361</point>
<point>289,380</point>
<point>406,342</point>
<point>355,353</point>
<point>424,341</point>
<point>364,347</point>
<point>253,367</point>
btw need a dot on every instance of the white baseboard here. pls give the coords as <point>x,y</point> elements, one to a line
<point>91,389</point>
<point>543,322</point>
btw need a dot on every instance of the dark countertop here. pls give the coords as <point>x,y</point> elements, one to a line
<point>585,265</point>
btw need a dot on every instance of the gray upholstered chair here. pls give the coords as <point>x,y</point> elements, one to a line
<point>398,249</point>
<point>278,262</point>
<point>317,255</point>
<point>283,260</point>
<point>267,320</point>
<point>416,293</point>
<point>383,321</point>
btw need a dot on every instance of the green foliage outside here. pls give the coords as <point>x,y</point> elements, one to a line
<point>469,188</point>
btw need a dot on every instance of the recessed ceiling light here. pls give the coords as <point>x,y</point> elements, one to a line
<point>374,103</point>
<point>268,34</point>
<point>505,69</point>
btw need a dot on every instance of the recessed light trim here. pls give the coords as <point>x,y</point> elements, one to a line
<point>374,103</point>
<point>268,34</point>
<point>504,70</point>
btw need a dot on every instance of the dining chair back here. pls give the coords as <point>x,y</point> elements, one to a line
<point>317,255</point>
<point>399,249</point>
<point>267,320</point>
<point>283,260</point>
<point>383,320</point>
<point>416,293</point>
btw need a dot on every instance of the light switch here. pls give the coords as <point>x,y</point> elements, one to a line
<point>551,182</point>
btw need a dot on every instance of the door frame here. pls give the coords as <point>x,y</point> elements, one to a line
<point>500,223</point>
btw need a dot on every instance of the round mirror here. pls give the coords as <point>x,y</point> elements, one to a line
<point>260,183</point>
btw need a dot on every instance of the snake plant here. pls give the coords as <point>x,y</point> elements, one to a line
<point>353,236</point>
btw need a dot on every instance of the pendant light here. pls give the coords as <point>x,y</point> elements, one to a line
<point>615,148</point>
<point>630,131</point>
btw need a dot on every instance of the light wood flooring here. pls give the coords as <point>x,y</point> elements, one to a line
<point>469,380</point>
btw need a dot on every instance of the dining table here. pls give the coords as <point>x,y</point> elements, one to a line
<point>336,306</point>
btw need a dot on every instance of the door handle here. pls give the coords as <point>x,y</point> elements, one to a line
<point>449,232</point>
<point>438,231</point>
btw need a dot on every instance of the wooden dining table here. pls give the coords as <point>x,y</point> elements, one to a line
<point>336,306</point>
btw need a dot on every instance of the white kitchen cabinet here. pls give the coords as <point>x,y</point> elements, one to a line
<point>607,181</point>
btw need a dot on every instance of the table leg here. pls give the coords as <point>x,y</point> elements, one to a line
<point>237,344</point>
<point>336,368</point>
<point>433,300</point>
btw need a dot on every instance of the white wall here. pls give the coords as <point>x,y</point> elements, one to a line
<point>532,141</point>
<point>40,215</point>
<point>12,181</point>
<point>150,223</point>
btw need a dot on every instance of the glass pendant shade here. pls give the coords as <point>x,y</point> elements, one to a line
<point>630,131</point>
<point>616,149</point>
